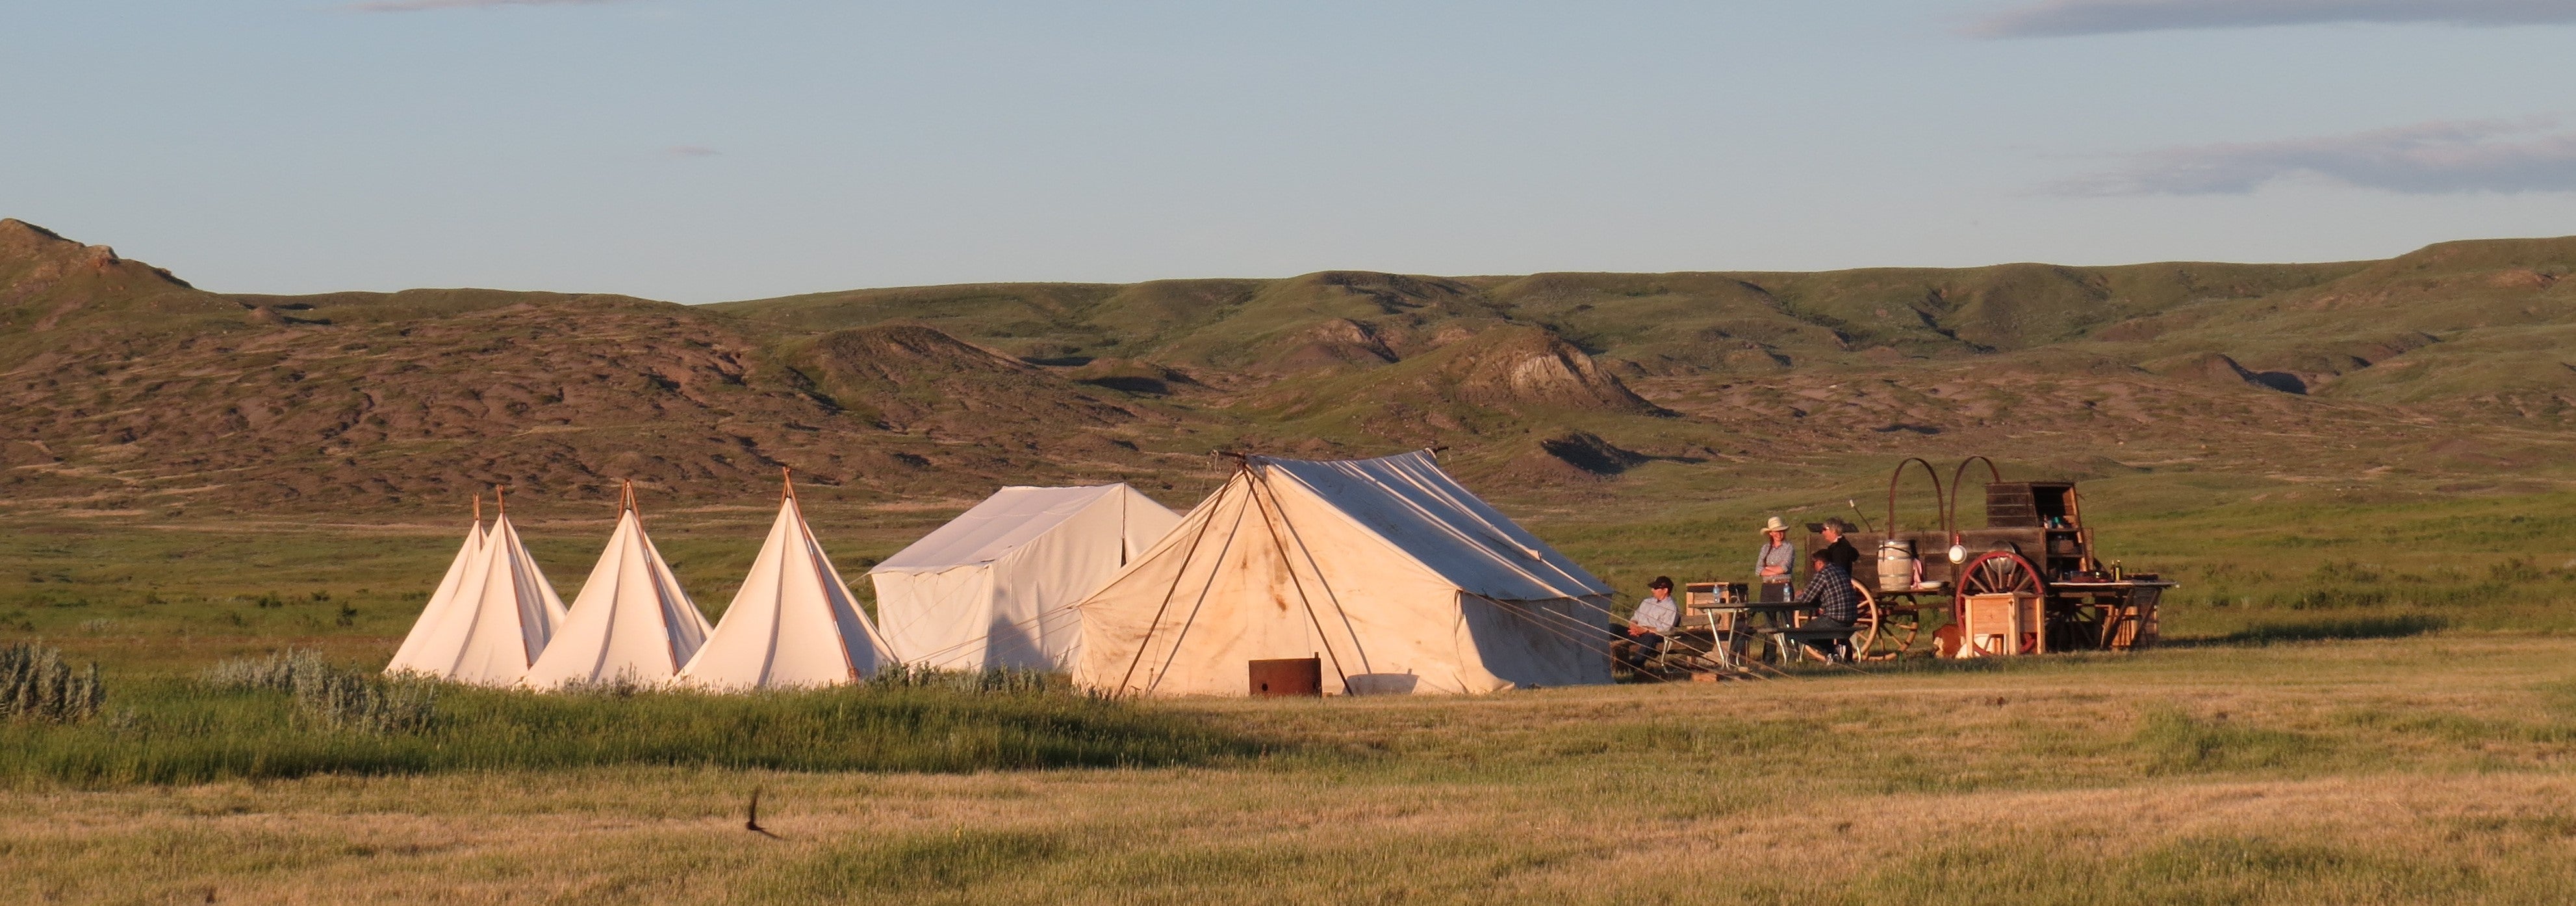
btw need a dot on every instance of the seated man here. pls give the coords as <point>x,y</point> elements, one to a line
<point>1654,618</point>
<point>1836,600</point>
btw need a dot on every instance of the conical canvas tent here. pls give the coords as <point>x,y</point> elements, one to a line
<point>410,658</point>
<point>502,617</point>
<point>631,621</point>
<point>1387,570</point>
<point>792,624</point>
<point>995,587</point>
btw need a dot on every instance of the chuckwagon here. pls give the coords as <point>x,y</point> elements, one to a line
<point>2026,582</point>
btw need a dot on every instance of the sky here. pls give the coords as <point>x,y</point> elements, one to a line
<point>703,151</point>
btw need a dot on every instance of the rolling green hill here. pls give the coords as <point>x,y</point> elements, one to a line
<point>126,391</point>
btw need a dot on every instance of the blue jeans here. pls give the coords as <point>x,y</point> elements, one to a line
<point>1646,645</point>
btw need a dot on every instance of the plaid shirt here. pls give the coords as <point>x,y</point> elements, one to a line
<point>1830,591</point>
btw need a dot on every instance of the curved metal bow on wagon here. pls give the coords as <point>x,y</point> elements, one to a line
<point>2026,582</point>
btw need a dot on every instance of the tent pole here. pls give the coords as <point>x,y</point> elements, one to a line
<point>1193,618</point>
<point>1168,594</point>
<point>1300,584</point>
<point>1329,593</point>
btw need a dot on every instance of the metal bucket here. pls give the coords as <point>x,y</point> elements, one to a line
<point>1896,569</point>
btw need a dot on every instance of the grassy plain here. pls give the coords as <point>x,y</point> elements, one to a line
<point>2253,558</point>
<point>2370,698</point>
<point>2412,770</point>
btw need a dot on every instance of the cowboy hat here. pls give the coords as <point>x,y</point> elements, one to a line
<point>1775,525</point>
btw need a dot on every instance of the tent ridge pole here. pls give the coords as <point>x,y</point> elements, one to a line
<point>1177,575</point>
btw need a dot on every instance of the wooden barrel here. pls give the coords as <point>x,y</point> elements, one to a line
<point>1896,565</point>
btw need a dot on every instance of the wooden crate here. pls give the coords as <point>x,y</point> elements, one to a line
<point>1286,677</point>
<point>1704,595</point>
<point>2001,624</point>
<point>2137,615</point>
<point>2028,504</point>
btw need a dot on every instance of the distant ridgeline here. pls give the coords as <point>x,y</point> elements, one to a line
<point>124,389</point>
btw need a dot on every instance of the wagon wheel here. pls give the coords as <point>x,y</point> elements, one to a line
<point>1998,573</point>
<point>1865,624</point>
<point>2002,572</point>
<point>2087,625</point>
<point>1897,630</point>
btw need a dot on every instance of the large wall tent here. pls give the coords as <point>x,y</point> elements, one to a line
<point>1387,570</point>
<point>503,614</point>
<point>995,586</point>
<point>792,624</point>
<point>631,622</point>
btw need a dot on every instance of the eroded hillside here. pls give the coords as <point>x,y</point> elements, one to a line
<point>126,390</point>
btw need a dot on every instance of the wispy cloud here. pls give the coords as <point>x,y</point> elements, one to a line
<point>2425,158</point>
<point>693,151</point>
<point>414,6</point>
<point>2056,18</point>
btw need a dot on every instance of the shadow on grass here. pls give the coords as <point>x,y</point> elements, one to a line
<point>2388,627</point>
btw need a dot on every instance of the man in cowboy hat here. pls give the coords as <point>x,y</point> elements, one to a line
<point>1773,565</point>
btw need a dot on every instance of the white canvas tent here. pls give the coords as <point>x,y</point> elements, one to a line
<point>792,624</point>
<point>1387,570</point>
<point>412,656</point>
<point>631,621</point>
<point>996,586</point>
<point>503,614</point>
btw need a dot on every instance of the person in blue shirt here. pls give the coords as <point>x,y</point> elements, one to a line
<point>1654,618</point>
<point>1775,566</point>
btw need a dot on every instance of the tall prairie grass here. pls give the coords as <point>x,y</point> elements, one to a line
<point>293,715</point>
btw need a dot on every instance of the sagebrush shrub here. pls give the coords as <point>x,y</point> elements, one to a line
<point>35,684</point>
<point>332,697</point>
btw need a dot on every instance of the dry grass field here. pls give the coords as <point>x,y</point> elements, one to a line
<point>2429,768</point>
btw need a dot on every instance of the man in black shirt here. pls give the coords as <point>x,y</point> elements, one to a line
<point>1836,549</point>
